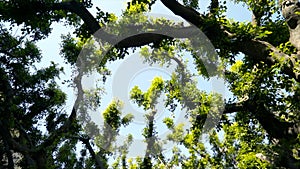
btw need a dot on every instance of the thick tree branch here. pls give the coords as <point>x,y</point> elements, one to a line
<point>259,51</point>
<point>157,35</point>
<point>274,127</point>
<point>262,52</point>
<point>233,107</point>
<point>262,49</point>
<point>186,13</point>
<point>137,40</point>
<point>80,10</point>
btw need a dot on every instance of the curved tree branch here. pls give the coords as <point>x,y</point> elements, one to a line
<point>274,127</point>
<point>269,54</point>
<point>186,13</point>
<point>120,42</point>
<point>233,107</point>
<point>263,48</point>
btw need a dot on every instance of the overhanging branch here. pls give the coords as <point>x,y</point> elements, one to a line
<point>256,49</point>
<point>274,127</point>
<point>137,40</point>
<point>259,51</point>
<point>186,13</point>
<point>233,107</point>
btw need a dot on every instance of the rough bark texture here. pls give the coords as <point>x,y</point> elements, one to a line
<point>289,12</point>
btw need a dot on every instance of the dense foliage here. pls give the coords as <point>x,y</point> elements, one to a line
<point>259,60</point>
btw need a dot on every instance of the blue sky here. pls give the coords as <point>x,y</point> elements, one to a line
<point>50,48</point>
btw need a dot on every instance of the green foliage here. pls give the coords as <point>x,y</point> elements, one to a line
<point>148,99</point>
<point>112,114</point>
<point>169,122</point>
<point>138,6</point>
<point>260,124</point>
<point>27,96</point>
<point>70,50</point>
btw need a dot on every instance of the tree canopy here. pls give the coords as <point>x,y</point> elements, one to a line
<point>258,127</point>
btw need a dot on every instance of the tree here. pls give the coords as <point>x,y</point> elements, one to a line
<point>260,123</point>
